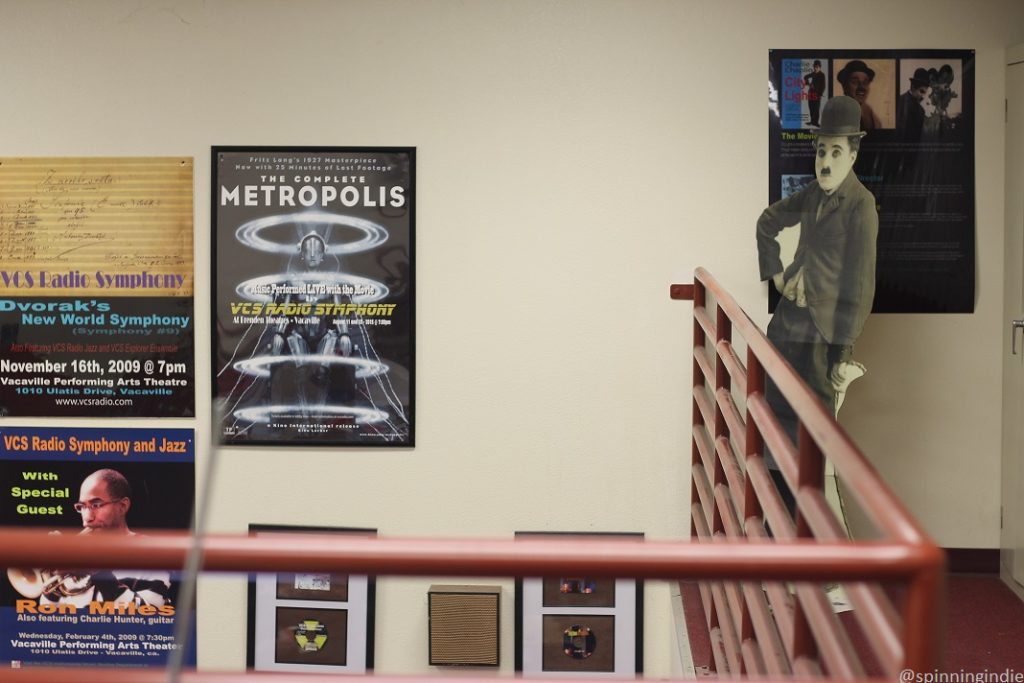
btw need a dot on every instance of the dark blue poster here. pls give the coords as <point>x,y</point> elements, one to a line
<point>916,159</point>
<point>92,482</point>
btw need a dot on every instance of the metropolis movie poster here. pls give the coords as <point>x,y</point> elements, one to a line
<point>917,159</point>
<point>96,315</point>
<point>93,481</point>
<point>313,297</point>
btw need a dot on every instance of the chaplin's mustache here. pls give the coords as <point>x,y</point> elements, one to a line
<point>826,171</point>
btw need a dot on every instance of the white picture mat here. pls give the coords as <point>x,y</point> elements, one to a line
<point>265,629</point>
<point>267,603</point>
<point>624,612</point>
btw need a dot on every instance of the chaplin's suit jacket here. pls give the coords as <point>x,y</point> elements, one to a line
<point>836,252</point>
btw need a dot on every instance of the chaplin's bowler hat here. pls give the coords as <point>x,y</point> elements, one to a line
<point>920,77</point>
<point>841,116</point>
<point>852,68</point>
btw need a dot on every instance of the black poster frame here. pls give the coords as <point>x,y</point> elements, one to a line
<point>313,295</point>
<point>922,175</point>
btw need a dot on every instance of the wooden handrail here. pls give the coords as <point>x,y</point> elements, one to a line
<point>137,675</point>
<point>886,510</point>
<point>648,559</point>
<point>799,560</point>
<point>742,571</point>
<point>734,495</point>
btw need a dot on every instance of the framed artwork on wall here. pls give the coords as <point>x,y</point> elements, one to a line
<point>310,622</point>
<point>916,161</point>
<point>579,625</point>
<point>132,480</point>
<point>313,295</point>
<point>97,314</point>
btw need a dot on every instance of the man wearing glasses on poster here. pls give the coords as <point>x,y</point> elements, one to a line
<point>103,503</point>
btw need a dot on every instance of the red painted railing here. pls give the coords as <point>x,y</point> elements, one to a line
<point>428,557</point>
<point>795,635</point>
<point>767,627</point>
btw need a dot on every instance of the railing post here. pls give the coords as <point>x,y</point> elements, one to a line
<point>924,618</point>
<point>699,297</point>
<point>723,330</point>
<point>811,473</point>
<point>755,442</point>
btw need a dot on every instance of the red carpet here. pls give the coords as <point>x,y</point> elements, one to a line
<point>984,626</point>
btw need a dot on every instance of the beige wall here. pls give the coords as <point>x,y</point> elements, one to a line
<point>574,158</point>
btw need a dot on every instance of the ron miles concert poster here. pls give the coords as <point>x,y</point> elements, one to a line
<point>313,295</point>
<point>92,481</point>
<point>96,279</point>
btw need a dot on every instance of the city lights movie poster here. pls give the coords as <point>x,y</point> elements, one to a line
<point>917,159</point>
<point>313,299</point>
<point>93,481</point>
<point>96,287</point>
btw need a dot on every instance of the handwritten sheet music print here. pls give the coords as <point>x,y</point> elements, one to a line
<point>72,225</point>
